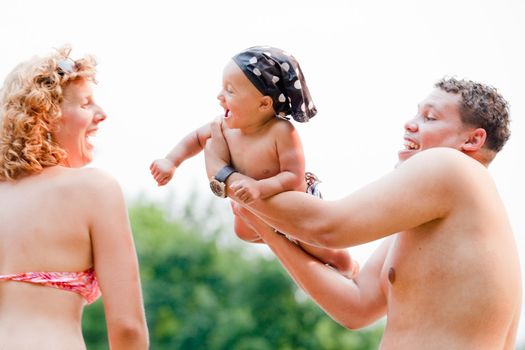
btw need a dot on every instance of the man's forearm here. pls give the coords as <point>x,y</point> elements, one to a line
<point>295,213</point>
<point>338,296</point>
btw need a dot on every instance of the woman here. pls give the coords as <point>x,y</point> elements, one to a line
<point>65,236</point>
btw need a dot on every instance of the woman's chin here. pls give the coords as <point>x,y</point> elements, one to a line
<point>80,161</point>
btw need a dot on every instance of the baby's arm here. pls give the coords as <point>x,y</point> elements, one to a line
<point>162,169</point>
<point>291,163</point>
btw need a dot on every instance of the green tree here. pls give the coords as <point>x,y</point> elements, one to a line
<point>203,290</point>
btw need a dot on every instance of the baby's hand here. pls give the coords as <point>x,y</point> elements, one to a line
<point>247,190</point>
<point>162,170</point>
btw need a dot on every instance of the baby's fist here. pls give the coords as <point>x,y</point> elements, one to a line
<point>162,170</point>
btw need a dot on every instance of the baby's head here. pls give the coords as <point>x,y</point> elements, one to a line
<point>267,80</point>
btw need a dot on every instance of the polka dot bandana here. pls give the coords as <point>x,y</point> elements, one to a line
<point>277,74</point>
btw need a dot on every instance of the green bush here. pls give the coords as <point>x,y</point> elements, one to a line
<point>200,293</point>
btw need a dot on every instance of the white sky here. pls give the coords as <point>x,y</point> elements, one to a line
<point>367,65</point>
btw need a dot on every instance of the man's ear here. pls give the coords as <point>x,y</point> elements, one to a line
<point>266,104</point>
<point>475,141</point>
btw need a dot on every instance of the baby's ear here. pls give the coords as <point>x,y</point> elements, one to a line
<point>266,104</point>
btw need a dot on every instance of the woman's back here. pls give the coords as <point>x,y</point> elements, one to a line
<point>64,230</point>
<point>45,228</point>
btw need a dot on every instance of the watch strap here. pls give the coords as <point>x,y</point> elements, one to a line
<point>223,174</point>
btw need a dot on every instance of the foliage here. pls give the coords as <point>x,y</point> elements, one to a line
<point>200,293</point>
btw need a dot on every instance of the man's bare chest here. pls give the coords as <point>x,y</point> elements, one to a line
<point>416,263</point>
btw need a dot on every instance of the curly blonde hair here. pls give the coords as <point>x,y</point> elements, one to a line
<point>30,110</point>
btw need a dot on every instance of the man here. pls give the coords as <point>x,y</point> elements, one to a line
<point>447,275</point>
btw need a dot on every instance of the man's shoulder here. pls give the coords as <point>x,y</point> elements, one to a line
<point>446,164</point>
<point>444,157</point>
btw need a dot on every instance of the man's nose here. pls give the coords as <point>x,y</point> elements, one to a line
<point>411,125</point>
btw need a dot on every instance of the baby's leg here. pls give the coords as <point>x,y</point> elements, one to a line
<point>339,259</point>
<point>245,232</point>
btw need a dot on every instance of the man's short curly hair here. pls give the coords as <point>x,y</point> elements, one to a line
<point>30,109</point>
<point>482,106</point>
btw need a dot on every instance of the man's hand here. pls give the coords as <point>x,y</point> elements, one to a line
<point>216,152</point>
<point>162,170</point>
<point>246,190</point>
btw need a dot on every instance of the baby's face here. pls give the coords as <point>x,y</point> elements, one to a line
<point>239,97</point>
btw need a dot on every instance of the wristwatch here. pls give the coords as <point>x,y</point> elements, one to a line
<point>218,182</point>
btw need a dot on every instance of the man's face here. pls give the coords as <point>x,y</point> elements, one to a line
<point>436,124</point>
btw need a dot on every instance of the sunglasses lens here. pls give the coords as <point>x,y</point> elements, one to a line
<point>66,66</point>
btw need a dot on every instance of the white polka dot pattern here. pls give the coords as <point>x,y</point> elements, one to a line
<point>277,74</point>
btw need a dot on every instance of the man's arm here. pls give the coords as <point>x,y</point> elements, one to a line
<point>353,303</point>
<point>422,189</point>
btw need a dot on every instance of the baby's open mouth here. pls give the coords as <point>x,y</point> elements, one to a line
<point>227,113</point>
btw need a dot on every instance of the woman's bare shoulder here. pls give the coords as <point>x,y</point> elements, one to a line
<point>93,183</point>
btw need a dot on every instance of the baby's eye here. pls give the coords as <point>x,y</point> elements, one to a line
<point>228,88</point>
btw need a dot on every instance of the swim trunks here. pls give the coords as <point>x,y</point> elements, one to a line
<point>312,184</point>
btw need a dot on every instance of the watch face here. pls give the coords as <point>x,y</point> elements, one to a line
<point>217,188</point>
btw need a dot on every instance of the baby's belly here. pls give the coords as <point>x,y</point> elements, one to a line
<point>262,168</point>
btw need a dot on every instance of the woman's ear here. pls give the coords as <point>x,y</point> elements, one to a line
<point>266,104</point>
<point>475,141</point>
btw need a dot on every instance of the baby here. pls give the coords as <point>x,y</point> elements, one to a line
<point>261,87</point>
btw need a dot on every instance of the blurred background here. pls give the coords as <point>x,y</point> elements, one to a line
<point>203,290</point>
<point>367,64</point>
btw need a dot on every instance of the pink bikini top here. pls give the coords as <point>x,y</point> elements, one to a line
<point>83,283</point>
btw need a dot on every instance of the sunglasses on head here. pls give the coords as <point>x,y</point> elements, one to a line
<point>66,66</point>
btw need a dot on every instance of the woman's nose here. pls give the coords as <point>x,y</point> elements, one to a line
<point>100,116</point>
